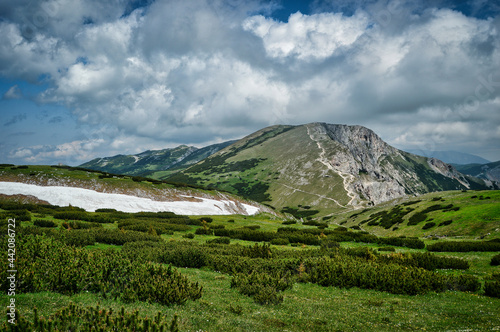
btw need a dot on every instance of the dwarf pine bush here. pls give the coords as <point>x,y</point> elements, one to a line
<point>49,265</point>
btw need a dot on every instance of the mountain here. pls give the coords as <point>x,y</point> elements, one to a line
<point>323,166</point>
<point>451,157</point>
<point>489,171</point>
<point>155,163</point>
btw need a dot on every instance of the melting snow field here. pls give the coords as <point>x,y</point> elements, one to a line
<point>91,200</point>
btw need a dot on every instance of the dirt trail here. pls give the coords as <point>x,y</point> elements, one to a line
<point>347,178</point>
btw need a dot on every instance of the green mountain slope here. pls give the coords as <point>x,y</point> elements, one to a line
<point>327,167</point>
<point>489,171</point>
<point>155,164</point>
<point>451,213</point>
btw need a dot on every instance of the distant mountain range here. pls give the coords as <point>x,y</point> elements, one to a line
<point>451,157</point>
<point>314,166</point>
<point>155,163</point>
<point>490,171</point>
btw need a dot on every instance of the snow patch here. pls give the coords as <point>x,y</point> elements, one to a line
<point>91,200</point>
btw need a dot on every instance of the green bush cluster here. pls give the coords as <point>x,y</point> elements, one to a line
<point>280,241</point>
<point>422,215</point>
<point>221,240</point>
<point>464,246</point>
<point>18,214</point>
<point>263,287</point>
<point>408,273</point>
<point>445,223</point>
<point>44,223</point>
<point>184,257</point>
<point>495,260</point>
<point>426,261</point>
<point>387,219</point>
<point>84,216</point>
<point>147,226</point>
<point>49,265</point>
<point>346,272</point>
<point>84,237</point>
<point>299,214</point>
<point>120,237</point>
<point>86,319</point>
<point>429,225</point>
<point>492,285</point>
<point>79,225</point>
<point>204,231</point>
<point>408,242</point>
<point>289,222</point>
<point>387,249</point>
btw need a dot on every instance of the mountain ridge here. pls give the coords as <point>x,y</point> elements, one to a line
<point>324,165</point>
<point>450,157</point>
<point>149,162</point>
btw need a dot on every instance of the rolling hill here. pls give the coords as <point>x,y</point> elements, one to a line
<point>91,190</point>
<point>324,166</point>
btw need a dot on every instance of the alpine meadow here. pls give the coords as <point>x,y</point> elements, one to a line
<point>258,165</point>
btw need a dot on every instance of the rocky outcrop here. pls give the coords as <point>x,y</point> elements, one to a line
<point>376,172</point>
<point>448,171</point>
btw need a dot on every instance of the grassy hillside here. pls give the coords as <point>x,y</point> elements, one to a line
<point>276,165</point>
<point>305,304</point>
<point>453,213</point>
<point>106,182</point>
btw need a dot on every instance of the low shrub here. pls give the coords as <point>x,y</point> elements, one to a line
<point>221,240</point>
<point>80,225</point>
<point>183,256</point>
<point>258,251</point>
<point>263,287</point>
<point>464,246</point>
<point>44,223</point>
<point>495,260</point>
<point>252,227</point>
<point>429,225</point>
<point>77,318</point>
<point>56,267</point>
<point>280,241</point>
<point>492,285</point>
<point>120,237</point>
<point>204,231</point>
<point>289,222</point>
<point>445,223</point>
<point>329,243</point>
<point>426,261</point>
<point>387,249</point>
<point>77,238</point>
<point>268,296</point>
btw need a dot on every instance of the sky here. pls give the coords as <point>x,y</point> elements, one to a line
<point>82,79</point>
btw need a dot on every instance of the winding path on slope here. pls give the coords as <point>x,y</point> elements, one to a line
<point>309,193</point>
<point>347,178</point>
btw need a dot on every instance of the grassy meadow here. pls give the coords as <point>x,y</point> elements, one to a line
<point>307,304</point>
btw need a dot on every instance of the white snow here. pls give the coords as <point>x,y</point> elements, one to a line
<point>91,200</point>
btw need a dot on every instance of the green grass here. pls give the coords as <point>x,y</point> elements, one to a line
<point>306,307</point>
<point>475,217</point>
<point>310,307</point>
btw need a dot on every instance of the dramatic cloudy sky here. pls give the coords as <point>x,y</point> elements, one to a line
<point>81,79</point>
